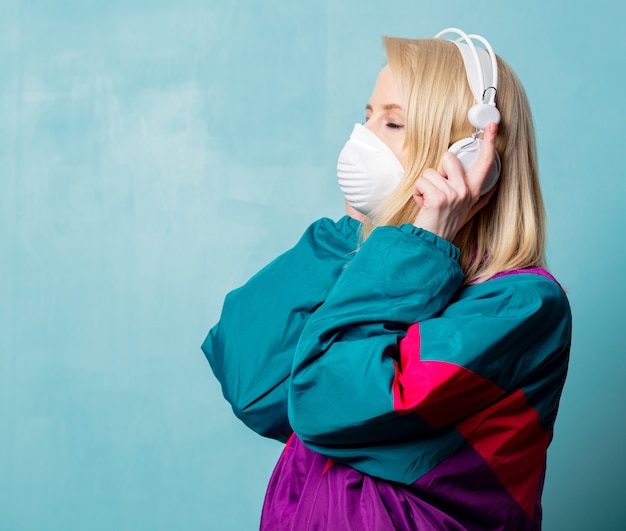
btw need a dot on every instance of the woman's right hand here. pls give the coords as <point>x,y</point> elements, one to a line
<point>448,197</point>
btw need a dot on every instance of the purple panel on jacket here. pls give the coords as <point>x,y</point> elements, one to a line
<point>461,493</point>
<point>529,270</point>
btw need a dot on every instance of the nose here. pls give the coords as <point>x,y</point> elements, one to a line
<point>370,123</point>
<point>373,125</point>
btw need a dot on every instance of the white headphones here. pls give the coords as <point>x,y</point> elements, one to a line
<point>481,67</point>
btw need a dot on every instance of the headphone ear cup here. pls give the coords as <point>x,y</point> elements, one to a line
<point>467,151</point>
<point>482,114</point>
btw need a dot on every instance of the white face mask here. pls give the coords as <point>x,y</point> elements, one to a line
<point>367,169</point>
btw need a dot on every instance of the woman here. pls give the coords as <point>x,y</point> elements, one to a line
<point>411,354</point>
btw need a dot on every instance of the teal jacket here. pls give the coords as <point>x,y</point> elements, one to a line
<point>381,360</point>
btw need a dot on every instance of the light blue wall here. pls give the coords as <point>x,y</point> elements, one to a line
<point>154,154</point>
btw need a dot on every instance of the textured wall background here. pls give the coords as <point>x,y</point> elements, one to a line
<point>154,154</point>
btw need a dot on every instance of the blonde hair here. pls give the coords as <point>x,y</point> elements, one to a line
<point>509,232</point>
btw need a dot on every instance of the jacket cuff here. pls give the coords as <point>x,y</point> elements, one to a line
<point>445,246</point>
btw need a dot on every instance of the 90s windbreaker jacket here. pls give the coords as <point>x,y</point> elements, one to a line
<point>406,400</point>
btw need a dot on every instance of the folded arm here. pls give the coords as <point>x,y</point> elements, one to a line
<point>399,354</point>
<point>251,348</point>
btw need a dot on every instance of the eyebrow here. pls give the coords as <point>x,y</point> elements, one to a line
<point>387,107</point>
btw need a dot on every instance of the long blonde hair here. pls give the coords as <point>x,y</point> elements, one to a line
<point>508,233</point>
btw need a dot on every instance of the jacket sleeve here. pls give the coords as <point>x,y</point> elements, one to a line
<point>251,348</point>
<point>398,353</point>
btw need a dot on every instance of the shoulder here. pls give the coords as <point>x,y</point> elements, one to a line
<point>536,280</point>
<point>530,291</point>
<point>507,327</point>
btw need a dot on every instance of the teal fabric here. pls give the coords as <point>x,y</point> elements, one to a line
<point>252,347</point>
<point>311,343</point>
<point>506,330</point>
<point>514,330</point>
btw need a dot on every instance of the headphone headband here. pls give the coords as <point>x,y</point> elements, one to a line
<point>481,68</point>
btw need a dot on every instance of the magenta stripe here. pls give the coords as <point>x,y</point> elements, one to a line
<point>528,270</point>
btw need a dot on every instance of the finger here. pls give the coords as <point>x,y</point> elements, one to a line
<point>453,170</point>
<point>431,181</point>
<point>440,168</point>
<point>481,167</point>
<point>430,189</point>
